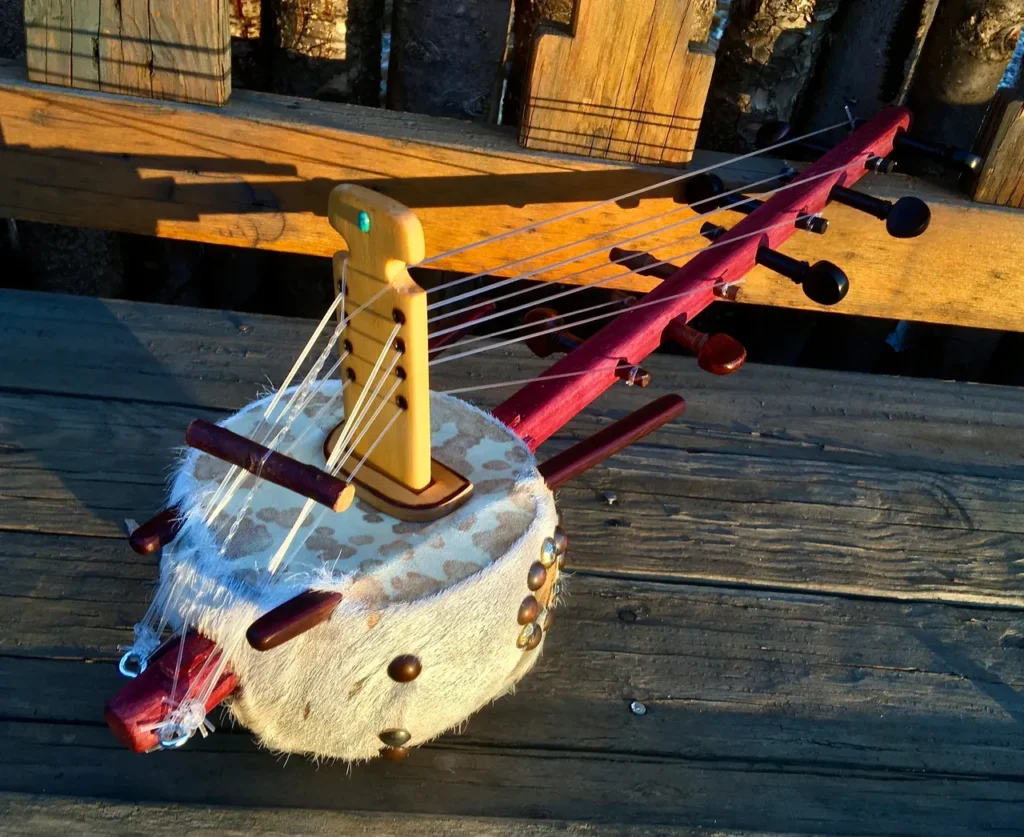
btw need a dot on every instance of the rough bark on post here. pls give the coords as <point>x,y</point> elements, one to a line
<point>963,60</point>
<point>872,46</point>
<point>328,49</point>
<point>447,58</point>
<point>765,63</point>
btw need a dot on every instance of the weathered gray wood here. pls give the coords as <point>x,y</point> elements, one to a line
<point>168,49</point>
<point>725,675</point>
<point>708,514</point>
<point>464,780</point>
<point>35,816</point>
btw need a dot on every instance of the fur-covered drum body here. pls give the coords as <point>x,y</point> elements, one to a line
<point>447,592</point>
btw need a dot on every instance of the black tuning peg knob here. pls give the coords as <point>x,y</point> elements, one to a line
<point>957,158</point>
<point>704,192</point>
<point>906,218</point>
<point>822,282</point>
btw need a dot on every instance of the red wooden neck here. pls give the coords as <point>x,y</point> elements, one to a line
<point>542,407</point>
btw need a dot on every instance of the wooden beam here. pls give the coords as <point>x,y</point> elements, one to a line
<point>257,174</point>
<point>1001,143</point>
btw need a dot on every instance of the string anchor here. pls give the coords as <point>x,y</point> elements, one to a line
<point>707,188</point>
<point>908,217</point>
<point>564,341</point>
<point>718,354</point>
<point>822,282</point>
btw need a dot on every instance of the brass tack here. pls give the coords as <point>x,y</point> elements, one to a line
<point>405,668</point>
<point>395,737</point>
<point>548,553</point>
<point>538,635</point>
<point>537,576</point>
<point>395,753</point>
<point>561,541</point>
<point>528,610</point>
<point>529,634</point>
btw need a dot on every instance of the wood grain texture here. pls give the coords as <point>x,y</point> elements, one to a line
<point>854,706</point>
<point>899,488</point>
<point>163,49</point>
<point>1001,143</point>
<point>258,174</point>
<point>625,83</point>
<point>39,815</point>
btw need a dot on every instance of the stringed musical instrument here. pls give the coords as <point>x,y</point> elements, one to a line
<point>356,564</point>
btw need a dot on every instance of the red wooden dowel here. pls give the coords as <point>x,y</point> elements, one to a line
<point>437,345</point>
<point>291,618</point>
<point>143,702</point>
<point>718,354</point>
<point>156,532</point>
<point>275,467</point>
<point>583,456</point>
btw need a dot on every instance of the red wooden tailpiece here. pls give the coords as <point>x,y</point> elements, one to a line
<point>570,463</point>
<point>144,702</point>
<point>157,532</point>
<point>542,407</point>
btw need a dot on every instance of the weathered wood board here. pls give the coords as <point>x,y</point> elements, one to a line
<point>1001,143</point>
<point>627,82</point>
<point>258,172</point>
<point>810,581</point>
<point>162,49</point>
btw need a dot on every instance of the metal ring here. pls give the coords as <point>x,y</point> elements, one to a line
<point>181,735</point>
<point>136,669</point>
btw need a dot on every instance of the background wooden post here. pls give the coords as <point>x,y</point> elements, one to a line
<point>163,49</point>
<point>1001,143</point>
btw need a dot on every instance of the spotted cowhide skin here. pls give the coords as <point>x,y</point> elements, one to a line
<point>447,591</point>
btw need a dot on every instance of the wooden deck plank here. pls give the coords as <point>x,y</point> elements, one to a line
<point>725,675</point>
<point>258,172</point>
<point>535,784</point>
<point>37,816</point>
<point>906,489</point>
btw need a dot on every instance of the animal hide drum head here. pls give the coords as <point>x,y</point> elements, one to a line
<point>448,591</point>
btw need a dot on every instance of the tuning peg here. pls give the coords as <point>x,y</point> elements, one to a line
<point>908,217</point>
<point>822,282</point>
<point>544,345</point>
<point>707,189</point>
<point>948,155</point>
<point>718,354</point>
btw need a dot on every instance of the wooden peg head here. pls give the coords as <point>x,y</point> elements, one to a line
<point>908,218</point>
<point>703,189</point>
<point>543,345</point>
<point>825,283</point>
<point>721,355</point>
<point>356,212</point>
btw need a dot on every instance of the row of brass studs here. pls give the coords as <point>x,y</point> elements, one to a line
<point>537,620</point>
<point>403,669</point>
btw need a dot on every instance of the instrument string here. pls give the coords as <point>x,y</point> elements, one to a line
<point>596,236</point>
<point>634,307</point>
<point>615,302</point>
<point>609,201</point>
<point>601,265</point>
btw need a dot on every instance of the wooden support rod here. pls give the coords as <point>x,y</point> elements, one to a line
<point>583,456</point>
<point>156,532</point>
<point>291,618</point>
<point>275,467</point>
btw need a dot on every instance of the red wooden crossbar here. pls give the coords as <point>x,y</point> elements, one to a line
<point>542,407</point>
